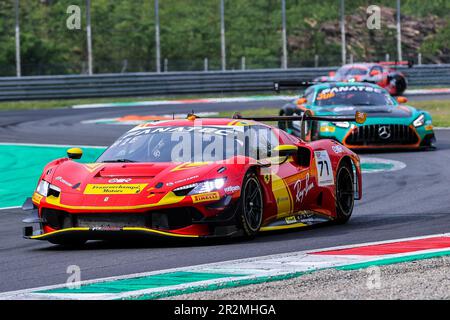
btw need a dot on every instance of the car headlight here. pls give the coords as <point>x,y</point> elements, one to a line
<point>44,187</point>
<point>345,124</point>
<point>208,186</point>
<point>420,121</point>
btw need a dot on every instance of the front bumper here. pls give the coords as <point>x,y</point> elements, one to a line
<point>100,234</point>
<point>367,137</point>
<point>182,222</point>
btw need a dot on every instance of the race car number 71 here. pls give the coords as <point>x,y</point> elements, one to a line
<point>323,165</point>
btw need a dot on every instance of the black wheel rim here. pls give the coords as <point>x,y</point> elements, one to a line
<point>252,204</point>
<point>345,192</point>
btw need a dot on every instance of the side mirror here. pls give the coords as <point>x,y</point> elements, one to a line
<point>75,153</point>
<point>402,99</point>
<point>301,101</point>
<point>285,150</point>
<point>332,73</point>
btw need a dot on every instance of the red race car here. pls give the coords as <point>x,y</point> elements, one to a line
<point>196,178</point>
<point>383,74</point>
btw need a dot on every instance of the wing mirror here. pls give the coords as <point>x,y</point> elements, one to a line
<point>74,153</point>
<point>402,99</point>
<point>285,150</point>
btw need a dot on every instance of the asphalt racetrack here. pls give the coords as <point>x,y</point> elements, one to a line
<point>410,202</point>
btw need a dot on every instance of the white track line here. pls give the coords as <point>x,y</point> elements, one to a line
<point>269,265</point>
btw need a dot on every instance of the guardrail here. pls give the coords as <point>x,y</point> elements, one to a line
<point>147,84</point>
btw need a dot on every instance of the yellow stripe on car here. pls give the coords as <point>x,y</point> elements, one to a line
<point>168,199</point>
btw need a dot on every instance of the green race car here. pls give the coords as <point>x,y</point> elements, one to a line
<point>390,123</point>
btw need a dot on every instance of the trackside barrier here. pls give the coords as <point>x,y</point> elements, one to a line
<point>148,84</point>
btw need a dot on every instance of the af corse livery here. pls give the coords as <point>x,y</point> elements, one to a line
<point>391,124</point>
<point>136,188</point>
<point>383,74</point>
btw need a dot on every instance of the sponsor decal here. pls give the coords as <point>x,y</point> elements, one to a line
<point>349,88</point>
<point>326,96</point>
<point>267,178</point>
<point>283,199</point>
<point>429,127</point>
<point>324,169</point>
<point>114,188</point>
<point>61,179</point>
<point>212,196</point>
<point>290,220</point>
<point>106,228</point>
<point>327,129</point>
<point>170,184</point>
<point>302,189</point>
<point>37,198</point>
<point>337,149</point>
<point>120,180</point>
<point>232,189</point>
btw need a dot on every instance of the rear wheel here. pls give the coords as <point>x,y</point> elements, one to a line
<point>251,206</point>
<point>345,193</point>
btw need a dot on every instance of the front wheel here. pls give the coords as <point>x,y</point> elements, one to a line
<point>345,193</point>
<point>251,206</point>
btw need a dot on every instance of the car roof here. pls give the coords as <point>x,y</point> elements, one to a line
<point>361,65</point>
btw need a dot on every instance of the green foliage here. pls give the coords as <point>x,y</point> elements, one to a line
<point>124,32</point>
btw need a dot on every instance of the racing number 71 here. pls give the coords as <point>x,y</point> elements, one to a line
<point>322,164</point>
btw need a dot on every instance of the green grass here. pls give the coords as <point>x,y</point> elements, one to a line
<point>439,110</point>
<point>50,104</point>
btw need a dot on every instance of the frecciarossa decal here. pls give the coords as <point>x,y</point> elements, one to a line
<point>115,188</point>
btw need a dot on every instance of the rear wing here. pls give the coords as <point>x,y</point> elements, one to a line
<point>410,63</point>
<point>359,117</point>
<point>292,84</point>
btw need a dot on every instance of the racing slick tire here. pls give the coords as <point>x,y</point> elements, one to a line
<point>251,208</point>
<point>285,125</point>
<point>72,243</point>
<point>399,83</point>
<point>345,192</point>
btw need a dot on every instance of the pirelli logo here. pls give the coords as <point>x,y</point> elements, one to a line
<point>212,196</point>
<point>114,188</point>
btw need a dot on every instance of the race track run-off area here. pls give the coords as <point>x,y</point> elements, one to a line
<point>405,196</point>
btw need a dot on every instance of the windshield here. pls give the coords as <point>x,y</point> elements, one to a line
<point>351,71</point>
<point>353,96</point>
<point>191,144</point>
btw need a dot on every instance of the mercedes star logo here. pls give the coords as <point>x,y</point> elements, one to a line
<point>384,132</point>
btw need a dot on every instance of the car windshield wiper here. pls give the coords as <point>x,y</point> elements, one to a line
<point>118,160</point>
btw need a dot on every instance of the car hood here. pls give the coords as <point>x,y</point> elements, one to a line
<point>127,184</point>
<point>372,111</point>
